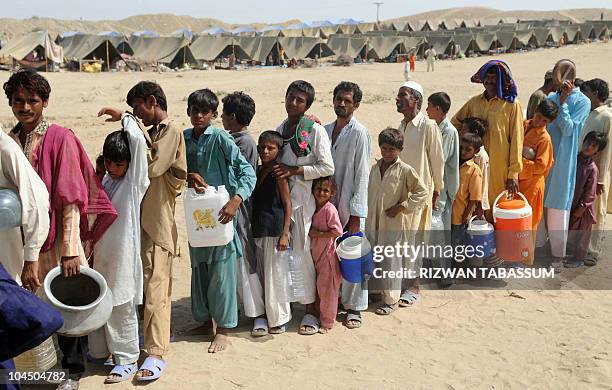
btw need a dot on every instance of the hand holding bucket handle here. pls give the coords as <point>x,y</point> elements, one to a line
<point>509,196</point>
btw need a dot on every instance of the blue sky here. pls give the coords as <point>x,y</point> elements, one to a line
<point>245,11</point>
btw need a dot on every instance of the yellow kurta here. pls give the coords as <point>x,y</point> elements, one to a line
<point>423,152</point>
<point>400,185</point>
<point>503,139</point>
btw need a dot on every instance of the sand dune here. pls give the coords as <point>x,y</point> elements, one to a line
<point>454,339</point>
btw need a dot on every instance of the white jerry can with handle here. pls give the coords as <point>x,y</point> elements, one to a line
<point>202,214</point>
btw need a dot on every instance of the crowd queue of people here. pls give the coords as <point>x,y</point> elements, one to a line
<point>297,189</point>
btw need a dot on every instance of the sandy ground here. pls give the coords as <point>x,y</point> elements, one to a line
<point>453,339</point>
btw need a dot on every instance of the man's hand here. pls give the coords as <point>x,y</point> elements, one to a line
<point>194,180</point>
<point>353,225</point>
<point>391,212</point>
<point>313,233</point>
<point>226,214</point>
<point>600,189</point>
<point>566,90</point>
<point>114,113</point>
<point>70,266</point>
<point>434,200</point>
<point>282,171</point>
<point>29,275</point>
<point>479,211</point>
<point>512,186</point>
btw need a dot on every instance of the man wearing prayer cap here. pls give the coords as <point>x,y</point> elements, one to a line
<point>423,152</point>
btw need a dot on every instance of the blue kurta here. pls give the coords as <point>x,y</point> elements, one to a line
<point>218,160</point>
<point>564,133</point>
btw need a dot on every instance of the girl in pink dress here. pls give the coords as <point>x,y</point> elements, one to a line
<point>326,227</point>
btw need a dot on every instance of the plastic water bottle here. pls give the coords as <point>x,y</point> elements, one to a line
<point>296,289</point>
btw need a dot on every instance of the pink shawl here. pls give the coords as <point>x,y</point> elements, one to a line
<point>63,164</point>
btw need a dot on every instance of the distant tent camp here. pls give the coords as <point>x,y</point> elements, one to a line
<point>313,32</point>
<point>33,50</point>
<point>213,31</point>
<point>210,49</point>
<point>443,45</point>
<point>260,48</point>
<point>385,46</point>
<point>146,34</point>
<point>172,51</point>
<point>243,30</point>
<point>67,34</point>
<point>305,47</point>
<point>110,34</point>
<point>486,41</point>
<point>573,34</point>
<point>466,44</point>
<point>353,46</point>
<point>79,48</point>
<point>122,44</point>
<point>182,32</point>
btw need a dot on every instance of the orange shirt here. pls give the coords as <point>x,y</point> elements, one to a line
<point>470,188</point>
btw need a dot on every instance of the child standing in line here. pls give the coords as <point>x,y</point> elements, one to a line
<point>582,216</point>
<point>481,158</point>
<point>238,111</point>
<point>537,161</point>
<point>395,194</point>
<point>270,224</point>
<point>470,191</point>
<point>214,159</point>
<point>325,228</point>
<point>117,254</point>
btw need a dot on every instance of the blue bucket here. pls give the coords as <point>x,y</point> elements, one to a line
<point>356,259</point>
<point>481,234</point>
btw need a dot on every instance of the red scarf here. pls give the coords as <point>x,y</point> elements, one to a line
<point>64,167</point>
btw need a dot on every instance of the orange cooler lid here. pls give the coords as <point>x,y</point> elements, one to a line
<point>513,204</point>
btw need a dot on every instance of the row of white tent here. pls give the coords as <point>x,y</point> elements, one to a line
<point>376,45</point>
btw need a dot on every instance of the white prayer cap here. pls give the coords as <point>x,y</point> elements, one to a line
<point>415,86</point>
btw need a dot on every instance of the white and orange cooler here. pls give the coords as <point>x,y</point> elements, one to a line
<point>513,235</point>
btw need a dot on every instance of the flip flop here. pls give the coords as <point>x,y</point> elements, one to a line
<point>123,372</point>
<point>279,329</point>
<point>590,261</point>
<point>309,321</point>
<point>154,366</point>
<point>409,298</point>
<point>573,263</point>
<point>386,309</point>
<point>557,266</point>
<point>354,316</point>
<point>260,327</point>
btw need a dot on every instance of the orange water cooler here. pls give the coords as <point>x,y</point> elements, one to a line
<point>513,234</point>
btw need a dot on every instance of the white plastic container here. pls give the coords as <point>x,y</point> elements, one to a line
<point>202,214</point>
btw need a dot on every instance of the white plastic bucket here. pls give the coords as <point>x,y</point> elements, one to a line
<point>202,214</point>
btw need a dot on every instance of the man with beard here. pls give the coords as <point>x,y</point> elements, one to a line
<point>498,107</point>
<point>423,152</point>
<point>350,147</point>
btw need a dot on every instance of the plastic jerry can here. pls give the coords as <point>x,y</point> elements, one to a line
<point>202,214</point>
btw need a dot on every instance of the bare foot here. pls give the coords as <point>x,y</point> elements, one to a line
<point>324,330</point>
<point>220,342</point>
<point>145,373</point>
<point>204,329</point>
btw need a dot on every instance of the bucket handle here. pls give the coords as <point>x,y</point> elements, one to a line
<point>499,196</point>
<point>343,237</point>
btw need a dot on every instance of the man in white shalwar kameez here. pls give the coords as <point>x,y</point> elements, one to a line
<point>423,152</point>
<point>350,147</point>
<point>17,174</point>
<point>117,254</point>
<point>302,166</point>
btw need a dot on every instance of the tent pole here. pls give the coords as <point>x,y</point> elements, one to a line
<point>107,58</point>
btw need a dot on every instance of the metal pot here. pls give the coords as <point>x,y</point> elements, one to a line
<point>84,300</point>
<point>10,209</point>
